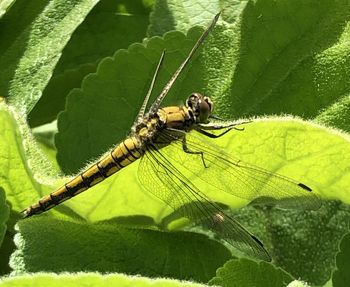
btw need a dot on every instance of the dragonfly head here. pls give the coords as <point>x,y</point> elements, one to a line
<point>201,106</point>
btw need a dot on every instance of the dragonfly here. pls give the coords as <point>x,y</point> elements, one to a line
<point>189,130</point>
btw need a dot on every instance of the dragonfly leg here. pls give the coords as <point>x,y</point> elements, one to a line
<point>214,136</point>
<point>214,126</point>
<point>203,128</point>
<point>187,150</point>
<point>184,144</point>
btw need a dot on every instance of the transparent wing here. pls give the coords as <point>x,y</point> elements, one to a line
<point>161,178</point>
<point>224,172</point>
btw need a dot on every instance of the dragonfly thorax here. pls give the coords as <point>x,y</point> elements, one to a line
<point>201,107</point>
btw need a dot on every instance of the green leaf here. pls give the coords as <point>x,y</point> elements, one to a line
<point>306,242</point>
<point>8,246</point>
<point>94,124</point>
<point>33,35</point>
<point>276,57</point>
<point>341,275</point>
<point>247,273</point>
<point>111,25</point>
<point>17,150</point>
<point>181,15</point>
<point>337,114</point>
<point>289,147</point>
<point>303,243</point>
<point>44,135</point>
<point>296,61</point>
<point>4,214</point>
<point>77,246</point>
<point>91,280</point>
<point>290,57</point>
<point>54,96</point>
<point>5,5</point>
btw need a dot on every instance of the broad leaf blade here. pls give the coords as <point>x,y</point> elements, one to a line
<point>5,5</point>
<point>4,214</point>
<point>111,25</point>
<point>303,243</point>
<point>16,177</point>
<point>341,276</point>
<point>33,44</point>
<point>246,273</point>
<point>90,279</point>
<point>107,247</point>
<point>290,147</point>
<point>290,57</point>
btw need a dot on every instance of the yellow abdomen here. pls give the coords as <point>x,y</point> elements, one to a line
<point>122,155</point>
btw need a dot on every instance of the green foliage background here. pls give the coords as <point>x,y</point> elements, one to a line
<point>87,64</point>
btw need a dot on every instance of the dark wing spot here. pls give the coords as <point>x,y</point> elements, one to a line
<point>257,240</point>
<point>304,187</point>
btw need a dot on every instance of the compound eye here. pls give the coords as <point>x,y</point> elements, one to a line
<point>210,103</point>
<point>204,110</point>
<point>201,106</point>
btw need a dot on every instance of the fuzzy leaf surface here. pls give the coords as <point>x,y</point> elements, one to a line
<point>246,273</point>
<point>90,279</point>
<point>33,35</point>
<point>107,247</point>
